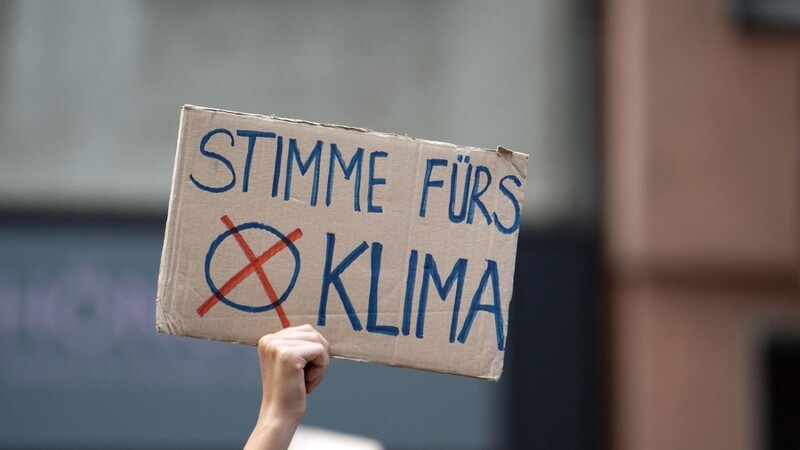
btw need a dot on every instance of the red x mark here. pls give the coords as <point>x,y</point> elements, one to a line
<point>255,265</point>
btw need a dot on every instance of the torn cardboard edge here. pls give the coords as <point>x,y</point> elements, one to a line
<point>500,149</point>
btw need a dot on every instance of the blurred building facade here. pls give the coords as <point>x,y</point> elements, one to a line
<point>700,218</point>
<point>90,92</point>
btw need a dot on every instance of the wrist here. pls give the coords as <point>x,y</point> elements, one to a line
<point>280,410</point>
<point>275,417</point>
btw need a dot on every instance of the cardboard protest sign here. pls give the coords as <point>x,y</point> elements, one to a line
<point>400,251</point>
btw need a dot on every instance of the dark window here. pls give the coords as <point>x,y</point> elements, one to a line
<point>777,15</point>
<point>782,418</point>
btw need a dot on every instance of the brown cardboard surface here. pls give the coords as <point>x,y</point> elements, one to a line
<point>276,221</point>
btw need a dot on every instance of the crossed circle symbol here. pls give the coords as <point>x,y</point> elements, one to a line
<point>254,266</point>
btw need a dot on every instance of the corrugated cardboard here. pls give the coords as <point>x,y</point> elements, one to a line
<point>400,251</point>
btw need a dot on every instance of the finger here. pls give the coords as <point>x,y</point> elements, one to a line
<point>314,336</point>
<point>292,339</point>
<point>298,330</point>
<point>322,359</point>
<point>312,353</point>
<point>313,376</point>
<point>325,342</point>
<point>305,332</point>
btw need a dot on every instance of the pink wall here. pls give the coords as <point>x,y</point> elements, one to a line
<point>701,217</point>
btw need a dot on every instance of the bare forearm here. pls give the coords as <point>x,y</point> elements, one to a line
<point>271,434</point>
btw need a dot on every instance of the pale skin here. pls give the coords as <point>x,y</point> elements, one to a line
<point>293,363</point>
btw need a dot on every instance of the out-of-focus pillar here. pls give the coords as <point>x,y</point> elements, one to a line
<point>701,170</point>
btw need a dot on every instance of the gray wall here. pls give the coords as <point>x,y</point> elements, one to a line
<point>91,90</point>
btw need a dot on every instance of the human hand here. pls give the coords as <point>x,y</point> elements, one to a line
<point>293,363</point>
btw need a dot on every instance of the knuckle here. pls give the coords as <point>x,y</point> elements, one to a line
<point>264,342</point>
<point>283,354</point>
<point>268,345</point>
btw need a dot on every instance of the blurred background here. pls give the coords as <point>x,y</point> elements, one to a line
<point>656,298</point>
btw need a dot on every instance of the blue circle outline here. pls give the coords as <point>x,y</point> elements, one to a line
<point>248,226</point>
